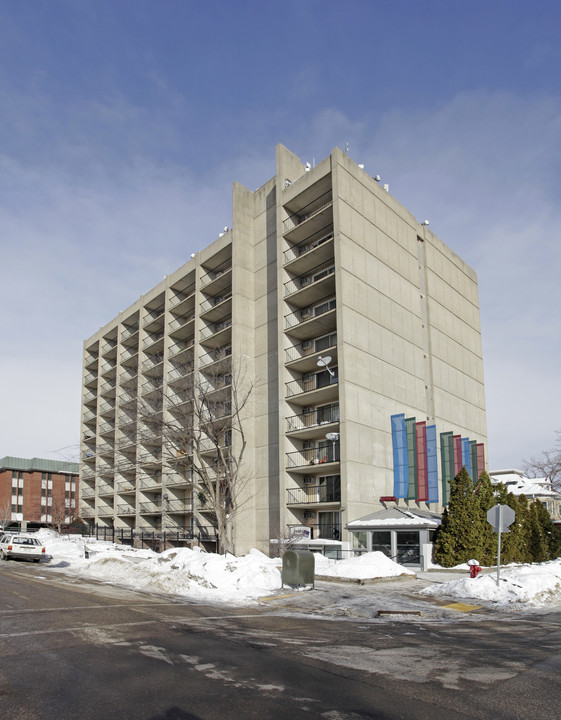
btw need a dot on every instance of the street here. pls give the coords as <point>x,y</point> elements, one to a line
<point>71,648</point>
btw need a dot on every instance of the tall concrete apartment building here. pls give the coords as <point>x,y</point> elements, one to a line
<point>344,311</point>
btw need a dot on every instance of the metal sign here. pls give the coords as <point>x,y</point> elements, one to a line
<point>500,517</point>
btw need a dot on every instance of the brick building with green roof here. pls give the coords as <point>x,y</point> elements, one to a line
<point>37,492</point>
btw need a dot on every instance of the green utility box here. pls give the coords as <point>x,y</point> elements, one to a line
<point>298,568</point>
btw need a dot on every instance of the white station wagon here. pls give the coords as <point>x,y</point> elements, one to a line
<point>17,545</point>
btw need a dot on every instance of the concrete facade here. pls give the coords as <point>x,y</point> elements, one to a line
<point>320,262</point>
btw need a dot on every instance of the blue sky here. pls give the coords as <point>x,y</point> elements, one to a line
<point>124,123</point>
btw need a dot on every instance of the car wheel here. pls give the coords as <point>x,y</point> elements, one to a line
<point>36,559</point>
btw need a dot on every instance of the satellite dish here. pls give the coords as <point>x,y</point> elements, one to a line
<point>332,436</point>
<point>324,360</point>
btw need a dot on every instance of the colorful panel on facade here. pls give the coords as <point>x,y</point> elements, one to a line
<point>411,428</point>
<point>466,455</point>
<point>475,472</point>
<point>432,464</point>
<point>447,463</point>
<point>422,470</point>
<point>457,454</point>
<point>415,459</point>
<point>400,464</point>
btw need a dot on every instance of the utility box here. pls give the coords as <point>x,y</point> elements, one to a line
<point>298,568</point>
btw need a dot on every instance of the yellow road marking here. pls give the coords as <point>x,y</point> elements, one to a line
<point>462,607</point>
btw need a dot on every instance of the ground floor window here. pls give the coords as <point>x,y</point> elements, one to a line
<point>382,542</point>
<point>408,547</point>
<point>329,525</point>
<point>359,540</point>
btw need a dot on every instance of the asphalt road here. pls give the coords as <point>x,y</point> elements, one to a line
<point>75,649</point>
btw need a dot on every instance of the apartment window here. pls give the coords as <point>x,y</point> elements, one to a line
<point>325,342</point>
<point>324,307</point>
<point>328,413</point>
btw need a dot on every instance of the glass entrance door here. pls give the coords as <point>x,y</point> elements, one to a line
<point>408,547</point>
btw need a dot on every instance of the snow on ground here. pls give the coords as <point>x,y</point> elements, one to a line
<point>209,577</point>
<point>363,567</point>
<point>536,585</point>
<point>180,571</point>
<point>193,573</point>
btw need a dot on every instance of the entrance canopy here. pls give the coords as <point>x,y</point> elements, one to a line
<point>397,519</point>
<point>405,536</point>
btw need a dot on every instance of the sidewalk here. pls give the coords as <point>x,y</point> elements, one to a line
<point>392,599</point>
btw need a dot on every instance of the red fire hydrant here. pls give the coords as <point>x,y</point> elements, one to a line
<point>474,568</point>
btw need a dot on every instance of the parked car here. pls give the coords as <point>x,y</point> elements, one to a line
<point>18,545</point>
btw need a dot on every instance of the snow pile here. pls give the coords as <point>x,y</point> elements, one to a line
<point>536,585</point>
<point>179,571</point>
<point>195,574</point>
<point>366,566</point>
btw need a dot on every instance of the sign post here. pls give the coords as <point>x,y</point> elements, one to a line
<point>500,517</point>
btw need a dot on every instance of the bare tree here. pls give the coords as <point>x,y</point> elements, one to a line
<point>203,434</point>
<point>5,514</point>
<point>61,513</point>
<point>547,464</point>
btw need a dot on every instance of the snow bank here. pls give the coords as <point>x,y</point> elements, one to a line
<point>366,566</point>
<point>195,574</point>
<point>179,571</point>
<point>536,585</point>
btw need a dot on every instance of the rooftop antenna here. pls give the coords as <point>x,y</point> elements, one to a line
<point>347,148</point>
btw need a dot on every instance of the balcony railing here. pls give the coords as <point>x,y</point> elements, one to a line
<point>214,301</point>
<point>310,312</point>
<point>308,211</point>
<point>314,276</point>
<point>313,456</point>
<point>178,506</point>
<point>125,487</point>
<point>148,508</point>
<point>214,355</point>
<point>152,361</point>
<point>151,385</point>
<point>128,332</point>
<point>107,388</point>
<point>180,347</point>
<point>313,418</point>
<point>315,494</point>
<point>152,339</point>
<point>154,314</point>
<point>150,483</point>
<point>311,382</point>
<point>106,427</point>
<point>316,531</point>
<point>179,297</point>
<point>309,347</point>
<point>126,510</point>
<point>215,273</point>
<point>297,250</point>
<point>181,321</point>
<point>215,328</point>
